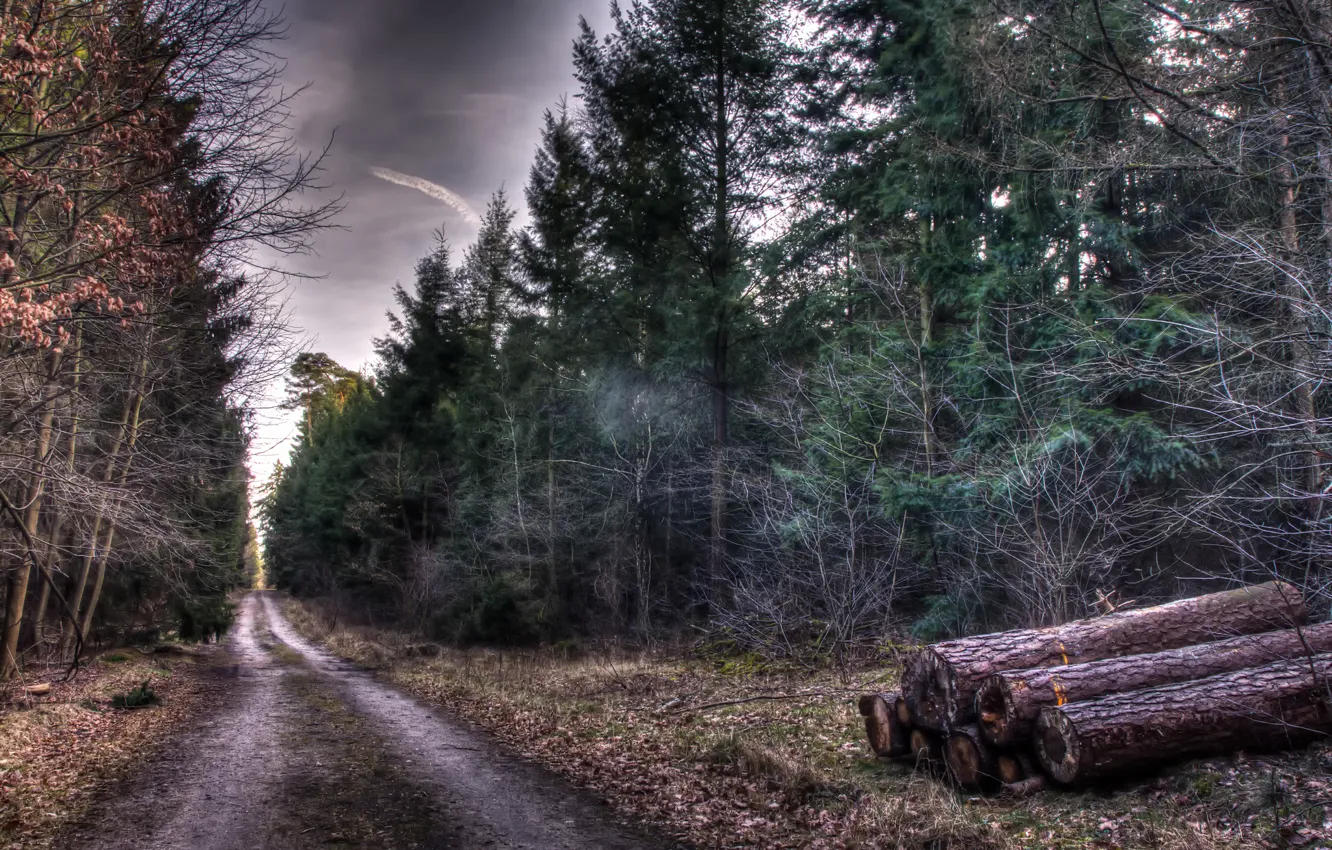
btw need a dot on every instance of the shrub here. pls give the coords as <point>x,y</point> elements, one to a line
<point>205,618</point>
<point>498,613</point>
<point>502,615</point>
<point>139,697</point>
<point>944,618</point>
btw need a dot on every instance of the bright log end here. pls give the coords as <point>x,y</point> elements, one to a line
<point>887,737</point>
<point>877,726</point>
<point>964,761</point>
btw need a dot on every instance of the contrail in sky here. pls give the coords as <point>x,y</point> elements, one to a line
<point>434,190</point>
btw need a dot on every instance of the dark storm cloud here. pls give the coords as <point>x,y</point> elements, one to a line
<point>450,91</point>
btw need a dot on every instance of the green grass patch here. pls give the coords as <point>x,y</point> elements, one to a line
<point>139,697</point>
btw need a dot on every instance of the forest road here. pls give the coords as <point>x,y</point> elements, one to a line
<point>305,750</point>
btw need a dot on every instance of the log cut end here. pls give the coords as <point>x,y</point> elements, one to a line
<point>925,747</point>
<point>1011,769</point>
<point>994,710</point>
<point>888,738</point>
<point>964,763</point>
<point>927,685</point>
<point>866,704</point>
<point>1057,746</point>
<point>970,761</point>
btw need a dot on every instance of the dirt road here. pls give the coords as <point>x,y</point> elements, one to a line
<point>305,751</point>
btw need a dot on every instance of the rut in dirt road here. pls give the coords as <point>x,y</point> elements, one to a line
<point>306,751</point>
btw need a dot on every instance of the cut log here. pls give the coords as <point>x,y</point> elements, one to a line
<point>972,762</point>
<point>888,738</point>
<point>38,690</point>
<point>1015,767</point>
<point>1008,703</point>
<point>903,716</point>
<point>940,682</point>
<point>1272,707</point>
<point>926,748</point>
<point>1025,788</point>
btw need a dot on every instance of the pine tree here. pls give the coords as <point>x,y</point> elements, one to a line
<point>492,273</point>
<point>696,91</point>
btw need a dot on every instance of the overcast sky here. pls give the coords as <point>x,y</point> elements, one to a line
<point>449,91</point>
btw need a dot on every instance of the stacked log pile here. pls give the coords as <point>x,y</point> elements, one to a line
<point>1112,695</point>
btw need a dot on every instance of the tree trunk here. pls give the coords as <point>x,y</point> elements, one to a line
<point>973,763</point>
<point>926,340</point>
<point>44,598</point>
<point>940,682</point>
<point>105,554</point>
<point>1009,703</point>
<point>62,517</point>
<point>888,736</point>
<point>720,272</point>
<point>720,438</point>
<point>99,578</point>
<point>552,555</point>
<point>131,409</point>
<point>17,590</point>
<point>1298,327</point>
<point>1273,707</point>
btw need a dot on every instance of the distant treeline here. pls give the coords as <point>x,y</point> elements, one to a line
<point>843,317</point>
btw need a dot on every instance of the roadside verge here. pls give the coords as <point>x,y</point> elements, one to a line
<point>737,752</point>
<point>59,750</point>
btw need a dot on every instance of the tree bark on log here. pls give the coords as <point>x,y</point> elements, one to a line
<point>888,738</point>
<point>1008,703</point>
<point>973,763</point>
<point>1276,706</point>
<point>940,682</point>
<point>1024,788</point>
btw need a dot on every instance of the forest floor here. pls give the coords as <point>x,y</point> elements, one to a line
<point>60,750</point>
<point>738,753</point>
<point>279,745</point>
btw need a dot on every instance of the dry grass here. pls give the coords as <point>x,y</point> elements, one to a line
<point>56,750</point>
<point>795,772</point>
